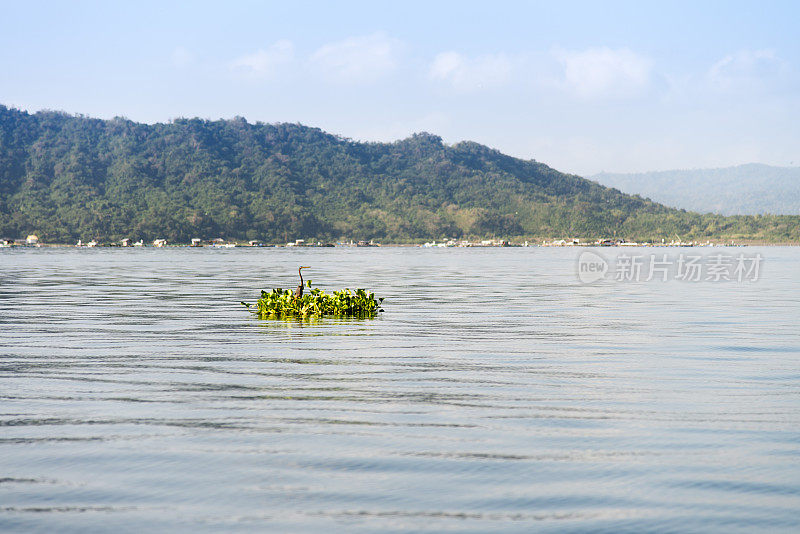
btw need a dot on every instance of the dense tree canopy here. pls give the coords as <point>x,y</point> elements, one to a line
<point>68,177</point>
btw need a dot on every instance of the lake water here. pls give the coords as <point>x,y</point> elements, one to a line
<point>497,393</point>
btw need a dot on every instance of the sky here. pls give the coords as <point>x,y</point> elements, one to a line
<point>584,87</point>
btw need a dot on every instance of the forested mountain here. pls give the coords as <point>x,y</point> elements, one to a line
<point>745,189</point>
<point>70,177</point>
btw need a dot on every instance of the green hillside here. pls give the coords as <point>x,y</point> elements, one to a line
<point>70,177</point>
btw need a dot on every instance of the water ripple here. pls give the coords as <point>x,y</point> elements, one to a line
<point>495,394</point>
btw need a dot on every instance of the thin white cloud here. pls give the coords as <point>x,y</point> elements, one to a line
<point>265,63</point>
<point>605,73</point>
<point>181,57</point>
<point>363,59</point>
<point>747,69</point>
<point>468,74</point>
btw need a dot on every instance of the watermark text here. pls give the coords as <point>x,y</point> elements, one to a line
<point>662,267</point>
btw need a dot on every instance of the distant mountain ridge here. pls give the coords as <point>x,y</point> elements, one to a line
<point>67,177</point>
<point>747,189</point>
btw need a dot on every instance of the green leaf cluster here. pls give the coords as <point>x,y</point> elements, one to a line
<point>281,303</point>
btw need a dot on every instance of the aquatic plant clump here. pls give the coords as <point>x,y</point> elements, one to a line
<point>316,303</point>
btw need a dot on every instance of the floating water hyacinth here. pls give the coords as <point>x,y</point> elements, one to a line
<point>280,303</point>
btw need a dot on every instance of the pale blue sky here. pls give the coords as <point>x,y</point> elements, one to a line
<point>581,86</point>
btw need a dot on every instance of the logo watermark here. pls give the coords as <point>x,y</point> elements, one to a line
<point>662,267</point>
<point>591,267</point>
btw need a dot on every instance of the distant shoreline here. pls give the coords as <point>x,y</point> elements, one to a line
<point>409,245</point>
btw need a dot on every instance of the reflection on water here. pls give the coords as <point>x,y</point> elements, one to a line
<point>496,393</point>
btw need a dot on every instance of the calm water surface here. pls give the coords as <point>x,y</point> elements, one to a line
<point>496,394</point>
